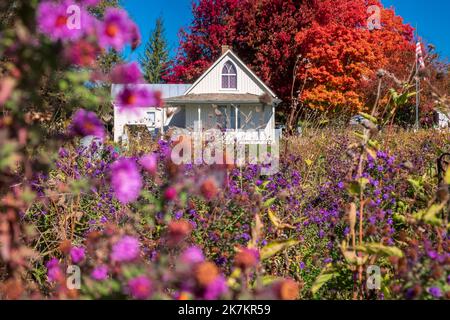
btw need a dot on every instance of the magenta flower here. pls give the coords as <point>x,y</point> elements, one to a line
<point>216,289</point>
<point>59,23</point>
<point>127,74</point>
<point>100,273</point>
<point>134,97</point>
<point>77,254</point>
<point>54,272</point>
<point>192,255</point>
<point>126,249</point>
<point>170,194</point>
<point>126,180</point>
<point>150,163</point>
<point>116,30</point>
<point>88,3</point>
<point>140,287</point>
<point>86,123</point>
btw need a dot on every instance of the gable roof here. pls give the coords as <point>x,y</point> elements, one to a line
<point>233,55</point>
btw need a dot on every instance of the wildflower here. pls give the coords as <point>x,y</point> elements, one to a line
<point>54,272</point>
<point>170,193</point>
<point>77,254</point>
<point>89,3</point>
<point>100,273</point>
<point>215,289</point>
<point>54,20</point>
<point>247,258</point>
<point>140,287</point>
<point>126,74</point>
<point>82,53</point>
<point>126,249</point>
<point>150,163</point>
<point>183,296</point>
<point>126,180</point>
<point>206,273</point>
<point>287,289</point>
<point>116,30</point>
<point>209,188</point>
<point>85,123</point>
<point>132,97</point>
<point>435,292</point>
<point>136,38</point>
<point>192,255</point>
<point>178,230</point>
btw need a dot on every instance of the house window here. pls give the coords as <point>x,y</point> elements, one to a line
<point>151,118</point>
<point>229,76</point>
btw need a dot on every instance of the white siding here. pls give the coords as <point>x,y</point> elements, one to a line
<point>212,82</point>
<point>138,116</point>
<point>252,117</point>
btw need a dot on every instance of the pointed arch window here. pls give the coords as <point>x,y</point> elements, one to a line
<point>229,76</point>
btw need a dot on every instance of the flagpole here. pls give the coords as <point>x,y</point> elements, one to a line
<point>417,86</point>
<point>417,93</point>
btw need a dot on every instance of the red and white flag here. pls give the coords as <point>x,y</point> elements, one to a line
<point>419,55</point>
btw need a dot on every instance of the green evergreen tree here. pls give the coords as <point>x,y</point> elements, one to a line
<point>156,55</point>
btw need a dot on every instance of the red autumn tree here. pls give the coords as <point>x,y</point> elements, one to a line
<point>343,55</point>
<point>339,55</point>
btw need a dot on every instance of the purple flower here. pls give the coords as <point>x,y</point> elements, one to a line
<point>215,289</point>
<point>140,287</point>
<point>77,254</point>
<point>59,23</point>
<point>126,180</point>
<point>149,162</point>
<point>116,30</point>
<point>126,249</point>
<point>100,273</point>
<point>134,97</point>
<point>435,292</point>
<point>126,74</point>
<point>192,255</point>
<point>85,123</point>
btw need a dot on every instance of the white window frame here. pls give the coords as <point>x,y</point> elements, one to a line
<point>229,75</point>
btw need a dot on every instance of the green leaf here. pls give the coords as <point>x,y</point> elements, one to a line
<point>275,247</point>
<point>326,275</point>
<point>447,176</point>
<point>269,202</point>
<point>380,249</point>
<point>369,117</point>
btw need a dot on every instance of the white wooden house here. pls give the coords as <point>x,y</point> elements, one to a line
<point>228,96</point>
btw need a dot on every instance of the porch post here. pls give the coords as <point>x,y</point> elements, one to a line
<point>236,117</point>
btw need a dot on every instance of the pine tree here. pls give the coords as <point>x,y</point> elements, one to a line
<point>156,56</point>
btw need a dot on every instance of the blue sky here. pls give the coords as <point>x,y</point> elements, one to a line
<point>430,17</point>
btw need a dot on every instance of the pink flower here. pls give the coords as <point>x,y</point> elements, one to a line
<point>135,37</point>
<point>85,123</point>
<point>192,255</point>
<point>100,273</point>
<point>140,287</point>
<point>54,272</point>
<point>116,30</point>
<point>77,254</point>
<point>150,163</point>
<point>216,289</point>
<point>126,180</point>
<point>59,23</point>
<point>125,250</point>
<point>88,3</point>
<point>134,97</point>
<point>127,74</point>
<point>170,194</point>
<point>82,53</point>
